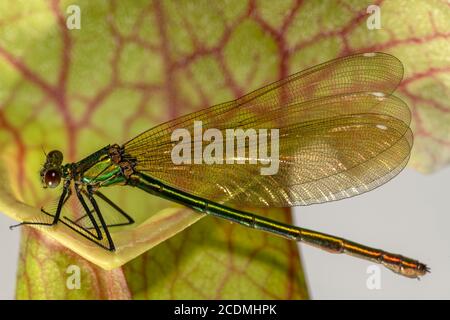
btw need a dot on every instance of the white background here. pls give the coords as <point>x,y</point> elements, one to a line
<point>408,215</point>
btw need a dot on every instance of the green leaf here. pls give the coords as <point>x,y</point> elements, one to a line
<point>135,64</point>
<point>44,273</point>
<point>50,104</point>
<point>217,260</point>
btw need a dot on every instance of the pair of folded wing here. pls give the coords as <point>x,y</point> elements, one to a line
<point>341,133</point>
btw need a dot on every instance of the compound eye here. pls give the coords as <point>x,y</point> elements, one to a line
<point>52,178</point>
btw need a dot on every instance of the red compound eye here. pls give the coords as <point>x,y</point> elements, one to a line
<point>52,178</point>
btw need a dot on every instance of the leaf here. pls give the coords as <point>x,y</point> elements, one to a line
<point>417,32</point>
<point>135,64</point>
<point>49,105</point>
<point>216,260</point>
<point>44,273</point>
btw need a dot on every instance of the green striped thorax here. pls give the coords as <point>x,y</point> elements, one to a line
<point>99,169</point>
<point>103,172</point>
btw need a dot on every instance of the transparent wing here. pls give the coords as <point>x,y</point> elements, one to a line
<point>340,134</point>
<point>367,72</point>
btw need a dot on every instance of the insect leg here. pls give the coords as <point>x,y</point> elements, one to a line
<point>62,200</point>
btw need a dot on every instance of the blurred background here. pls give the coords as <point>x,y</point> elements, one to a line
<point>78,75</point>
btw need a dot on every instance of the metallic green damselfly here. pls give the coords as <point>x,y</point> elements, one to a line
<point>341,133</point>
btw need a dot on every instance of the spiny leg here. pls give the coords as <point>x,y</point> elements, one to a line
<point>62,200</point>
<point>130,220</point>
<point>117,208</point>
<point>89,213</point>
<point>100,216</point>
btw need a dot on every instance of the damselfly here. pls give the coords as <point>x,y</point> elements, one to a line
<point>340,133</point>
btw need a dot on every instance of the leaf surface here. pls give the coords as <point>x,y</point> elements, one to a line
<point>135,64</point>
